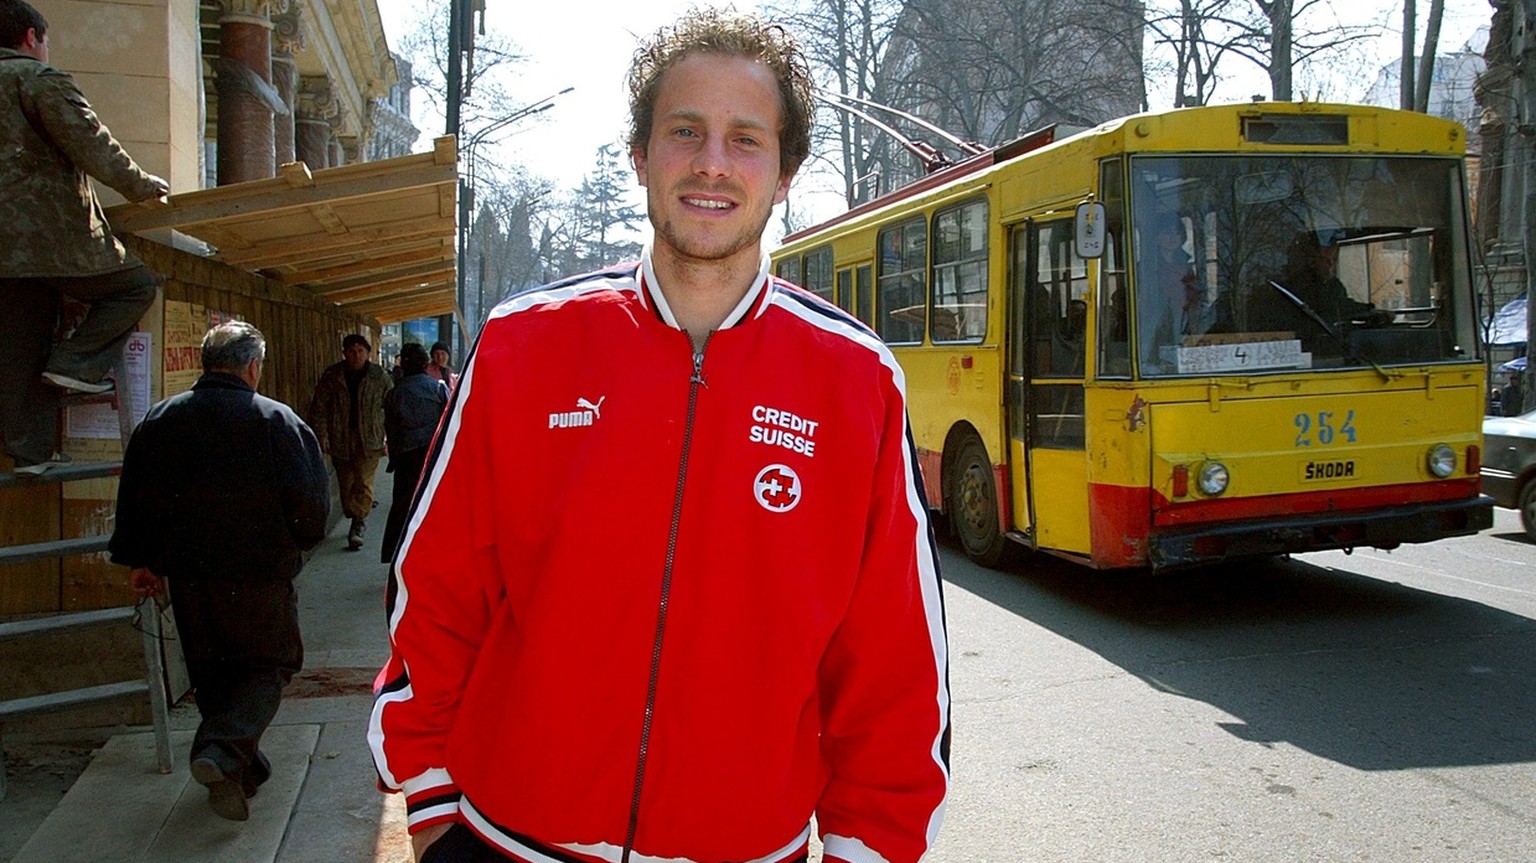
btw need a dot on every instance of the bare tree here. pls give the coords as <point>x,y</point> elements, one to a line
<point>1181,29</point>
<point>1279,36</point>
<point>845,42</point>
<point>1416,90</point>
<point>486,73</point>
<point>991,70</point>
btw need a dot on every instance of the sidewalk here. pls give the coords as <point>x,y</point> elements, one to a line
<point>321,805</point>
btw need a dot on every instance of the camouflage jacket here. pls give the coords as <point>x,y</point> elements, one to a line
<point>330,411</point>
<point>50,140</point>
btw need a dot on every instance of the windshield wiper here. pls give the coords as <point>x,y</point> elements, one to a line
<point>1310,312</point>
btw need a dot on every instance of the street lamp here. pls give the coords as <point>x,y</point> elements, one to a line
<point>467,190</point>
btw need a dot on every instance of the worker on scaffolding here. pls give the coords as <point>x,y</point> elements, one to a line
<point>57,242</point>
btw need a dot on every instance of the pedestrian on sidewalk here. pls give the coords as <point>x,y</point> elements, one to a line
<point>411,412</point>
<point>56,242</point>
<point>439,367</point>
<point>347,413</point>
<point>221,493</point>
<point>670,590</point>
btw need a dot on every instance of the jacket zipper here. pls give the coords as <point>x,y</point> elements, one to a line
<point>695,382</point>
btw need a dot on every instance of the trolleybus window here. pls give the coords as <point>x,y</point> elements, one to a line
<point>1273,263</point>
<point>960,274</point>
<point>864,293</point>
<point>818,272</point>
<point>1114,310</point>
<point>789,269</point>
<point>1050,287</point>
<point>902,300</point>
<point>845,290</point>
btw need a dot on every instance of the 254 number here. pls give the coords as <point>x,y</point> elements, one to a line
<point>1327,428</point>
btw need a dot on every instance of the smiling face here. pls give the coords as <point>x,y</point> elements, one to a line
<point>711,165</point>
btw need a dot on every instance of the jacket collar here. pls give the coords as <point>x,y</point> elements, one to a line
<point>751,306</point>
<point>221,381</point>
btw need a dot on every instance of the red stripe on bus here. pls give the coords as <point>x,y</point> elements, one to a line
<point>1167,514</point>
<point>931,464</point>
<point>1118,520</point>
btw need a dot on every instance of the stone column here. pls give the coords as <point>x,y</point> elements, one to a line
<point>312,127</point>
<point>247,101</point>
<point>335,155</point>
<point>287,39</point>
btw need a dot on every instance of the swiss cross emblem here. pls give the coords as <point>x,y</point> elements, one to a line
<point>777,488</point>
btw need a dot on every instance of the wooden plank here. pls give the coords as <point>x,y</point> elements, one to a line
<point>318,277</point>
<point>308,245</point>
<point>419,306</point>
<point>87,577</point>
<point>187,213</point>
<point>347,254</point>
<point>359,286</point>
<point>297,175</point>
<point>432,296</point>
<point>386,289</point>
<point>341,174</point>
<point>327,217</point>
<point>29,515</point>
<point>445,150</point>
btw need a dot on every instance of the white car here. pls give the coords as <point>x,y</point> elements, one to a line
<point>1509,465</point>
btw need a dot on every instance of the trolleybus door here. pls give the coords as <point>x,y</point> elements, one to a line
<point>1046,425</point>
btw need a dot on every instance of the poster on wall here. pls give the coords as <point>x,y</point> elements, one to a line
<point>99,421</point>
<point>185,324</point>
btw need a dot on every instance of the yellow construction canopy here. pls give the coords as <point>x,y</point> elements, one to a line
<point>376,238</point>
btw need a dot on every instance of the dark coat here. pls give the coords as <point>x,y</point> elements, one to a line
<point>219,482</point>
<point>411,412</point>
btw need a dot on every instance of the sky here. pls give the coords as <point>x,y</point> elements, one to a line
<point>587,44</point>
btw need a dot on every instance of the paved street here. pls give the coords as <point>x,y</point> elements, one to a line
<point>1373,707</point>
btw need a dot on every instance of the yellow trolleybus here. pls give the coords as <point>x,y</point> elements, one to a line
<point>1182,337</point>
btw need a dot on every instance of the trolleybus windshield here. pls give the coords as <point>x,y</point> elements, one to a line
<point>1253,264</point>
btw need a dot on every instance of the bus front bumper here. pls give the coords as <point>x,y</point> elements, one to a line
<point>1388,528</point>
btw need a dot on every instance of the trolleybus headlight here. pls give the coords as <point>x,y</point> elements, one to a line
<point>1442,460</point>
<point>1213,478</point>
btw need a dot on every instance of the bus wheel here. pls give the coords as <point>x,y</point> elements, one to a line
<point>973,505</point>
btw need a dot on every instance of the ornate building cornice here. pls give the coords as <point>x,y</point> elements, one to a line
<point>258,12</point>
<point>316,100</point>
<point>288,29</point>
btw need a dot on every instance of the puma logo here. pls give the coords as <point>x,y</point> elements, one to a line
<point>587,412</point>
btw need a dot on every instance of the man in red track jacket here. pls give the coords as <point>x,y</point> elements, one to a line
<point>669,589</point>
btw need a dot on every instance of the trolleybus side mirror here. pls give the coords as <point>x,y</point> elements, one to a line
<point>1090,229</point>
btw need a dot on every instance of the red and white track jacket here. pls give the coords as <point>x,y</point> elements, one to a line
<point>670,603</point>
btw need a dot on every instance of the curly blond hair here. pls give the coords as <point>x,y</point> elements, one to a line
<point>730,34</point>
